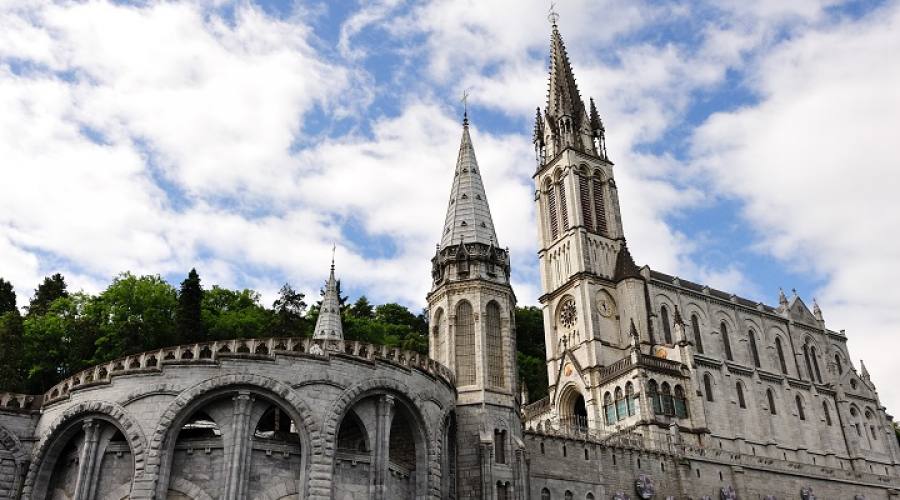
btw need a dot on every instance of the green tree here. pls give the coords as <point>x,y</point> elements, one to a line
<point>12,366</point>
<point>533,371</point>
<point>530,331</point>
<point>289,309</point>
<point>52,288</point>
<point>188,315</point>
<point>7,297</point>
<point>138,315</point>
<point>362,308</point>
<point>230,314</point>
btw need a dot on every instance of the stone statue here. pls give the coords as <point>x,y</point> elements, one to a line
<point>644,487</point>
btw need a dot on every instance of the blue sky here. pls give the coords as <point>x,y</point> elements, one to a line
<point>754,142</point>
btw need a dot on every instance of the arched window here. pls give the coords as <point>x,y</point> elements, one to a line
<point>771,399</point>
<point>551,211</point>
<point>723,329</point>
<point>599,205</point>
<point>563,209</point>
<point>826,412</point>
<point>620,404</point>
<point>569,495</point>
<point>653,393</point>
<point>667,330</point>
<point>502,491</point>
<point>584,197</point>
<point>440,337</point>
<point>494,344</point>
<point>681,408</point>
<point>667,402</point>
<point>780,351</point>
<point>545,494</point>
<point>698,340</point>
<point>754,353</point>
<point>609,409</point>
<point>837,362</point>
<point>465,344</point>
<point>707,387</point>
<point>629,398</point>
<point>500,446</point>
<point>815,362</point>
<point>589,496</point>
<point>739,388</point>
<point>809,369</point>
<point>800,412</point>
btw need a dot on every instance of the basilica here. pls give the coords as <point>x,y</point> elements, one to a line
<point>659,387</point>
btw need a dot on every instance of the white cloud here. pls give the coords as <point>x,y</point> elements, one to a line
<point>815,162</point>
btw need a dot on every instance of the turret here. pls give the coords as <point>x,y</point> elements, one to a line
<point>328,324</point>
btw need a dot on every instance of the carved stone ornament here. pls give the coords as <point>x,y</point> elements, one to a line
<point>727,493</point>
<point>568,314</point>
<point>621,496</point>
<point>316,350</point>
<point>644,487</point>
<point>806,493</point>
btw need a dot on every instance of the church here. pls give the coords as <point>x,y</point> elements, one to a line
<point>658,387</point>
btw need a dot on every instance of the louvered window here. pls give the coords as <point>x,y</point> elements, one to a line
<point>726,342</point>
<point>585,199</point>
<point>563,209</point>
<point>494,346</point>
<point>465,344</point>
<point>599,207</point>
<point>698,340</point>
<point>754,352</point>
<point>667,330</point>
<point>551,209</point>
<point>780,352</point>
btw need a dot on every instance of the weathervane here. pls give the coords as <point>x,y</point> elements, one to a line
<point>465,102</point>
<point>553,16</point>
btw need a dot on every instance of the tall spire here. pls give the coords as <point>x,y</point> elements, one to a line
<point>566,121</point>
<point>468,216</point>
<point>328,325</point>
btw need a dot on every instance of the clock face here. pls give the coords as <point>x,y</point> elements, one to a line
<point>604,306</point>
<point>567,316</point>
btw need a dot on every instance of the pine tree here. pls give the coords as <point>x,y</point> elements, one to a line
<point>12,363</point>
<point>188,315</point>
<point>362,308</point>
<point>289,313</point>
<point>51,289</point>
<point>7,297</point>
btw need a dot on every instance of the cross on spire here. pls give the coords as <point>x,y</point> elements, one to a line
<point>465,102</point>
<point>553,16</point>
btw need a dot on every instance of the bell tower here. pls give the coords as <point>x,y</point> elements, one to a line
<point>471,308</point>
<point>592,288</point>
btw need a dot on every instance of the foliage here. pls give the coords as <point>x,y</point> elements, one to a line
<point>290,311</point>
<point>362,308</point>
<point>232,314</point>
<point>12,366</point>
<point>7,297</point>
<point>189,325</point>
<point>52,288</point>
<point>138,314</point>
<point>532,351</point>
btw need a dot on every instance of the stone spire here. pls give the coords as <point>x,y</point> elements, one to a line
<point>566,117</point>
<point>468,216</point>
<point>863,371</point>
<point>817,311</point>
<point>328,325</point>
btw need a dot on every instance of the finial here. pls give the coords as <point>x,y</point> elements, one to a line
<point>794,291</point>
<point>553,16</point>
<point>781,298</point>
<point>465,101</point>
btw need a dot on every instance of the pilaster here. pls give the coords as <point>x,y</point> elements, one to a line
<point>87,459</point>
<point>239,462</point>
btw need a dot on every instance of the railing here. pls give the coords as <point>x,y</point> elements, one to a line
<point>537,408</point>
<point>644,360</point>
<point>210,352</point>
<point>10,401</point>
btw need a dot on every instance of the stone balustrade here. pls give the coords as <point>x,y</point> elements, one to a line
<point>266,348</point>
<point>10,401</point>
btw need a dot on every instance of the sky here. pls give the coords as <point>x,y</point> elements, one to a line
<point>756,143</point>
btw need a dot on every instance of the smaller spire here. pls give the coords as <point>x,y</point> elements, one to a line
<point>864,373</point>
<point>817,311</point>
<point>625,266</point>
<point>596,122</point>
<point>328,324</point>
<point>677,317</point>
<point>635,337</point>
<point>538,137</point>
<point>782,299</point>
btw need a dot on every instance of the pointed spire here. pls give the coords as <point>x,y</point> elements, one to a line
<point>565,112</point>
<point>468,214</point>
<point>596,122</point>
<point>328,325</point>
<point>635,337</point>
<point>625,266</point>
<point>863,372</point>
<point>782,299</point>
<point>538,137</point>
<point>817,311</point>
<point>677,319</point>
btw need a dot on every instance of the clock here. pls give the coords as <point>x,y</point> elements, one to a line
<point>604,306</point>
<point>567,315</point>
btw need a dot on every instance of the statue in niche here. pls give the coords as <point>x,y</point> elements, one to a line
<point>727,493</point>
<point>644,487</point>
<point>806,493</point>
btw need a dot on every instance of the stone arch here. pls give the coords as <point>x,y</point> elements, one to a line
<point>194,397</point>
<point>277,491</point>
<point>64,424</point>
<point>119,493</point>
<point>189,489</point>
<point>346,401</point>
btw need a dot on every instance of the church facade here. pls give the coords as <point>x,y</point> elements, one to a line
<point>658,387</point>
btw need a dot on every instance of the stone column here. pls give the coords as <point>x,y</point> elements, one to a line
<point>87,459</point>
<point>384,415</point>
<point>239,455</point>
<point>486,457</point>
